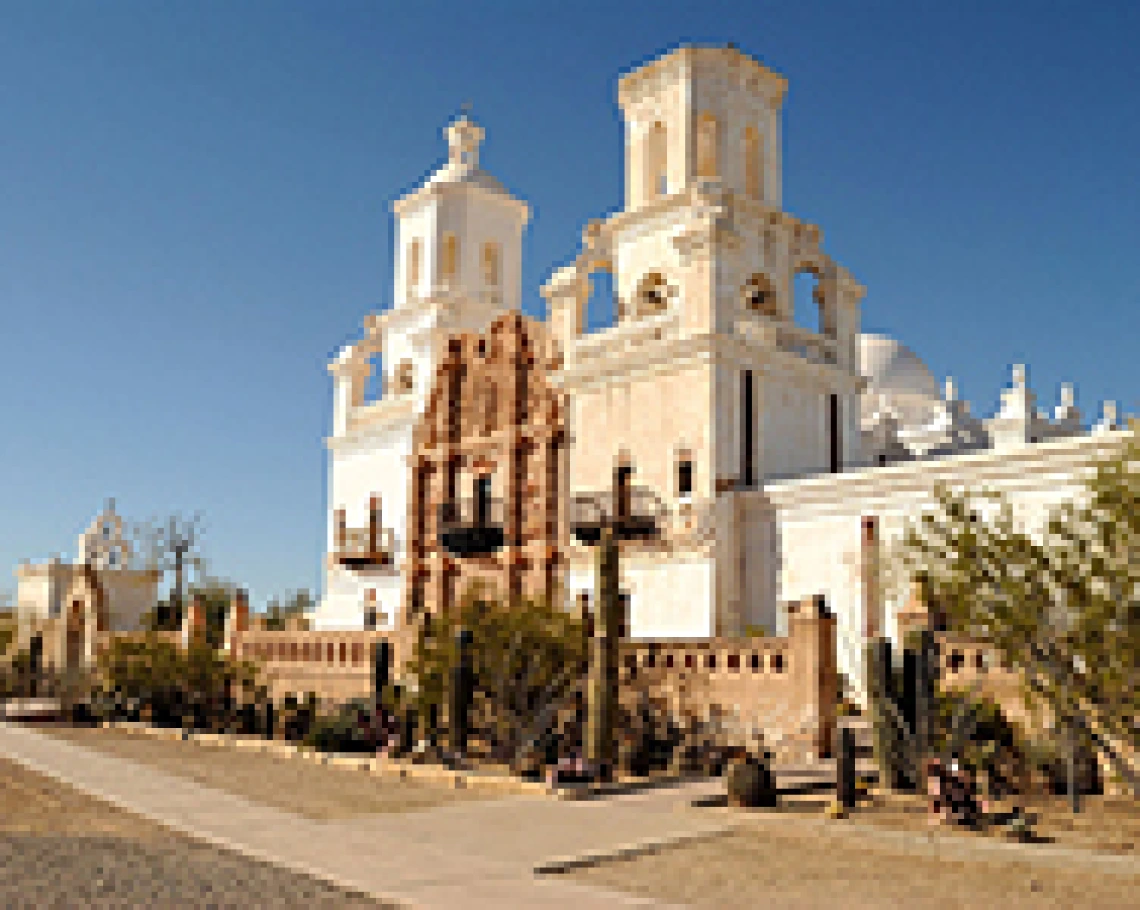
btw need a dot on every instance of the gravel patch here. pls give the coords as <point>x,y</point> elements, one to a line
<point>38,871</point>
<point>62,848</point>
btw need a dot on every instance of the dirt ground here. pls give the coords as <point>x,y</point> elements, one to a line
<point>832,867</point>
<point>315,791</point>
<point>62,848</point>
<point>1103,825</point>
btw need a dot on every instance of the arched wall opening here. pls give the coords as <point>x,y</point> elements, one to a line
<point>807,301</point>
<point>601,305</point>
<point>374,385</point>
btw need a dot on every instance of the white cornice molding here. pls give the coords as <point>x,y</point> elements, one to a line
<point>1045,466</point>
<point>430,191</point>
<point>396,418</point>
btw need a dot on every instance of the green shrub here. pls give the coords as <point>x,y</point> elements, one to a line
<point>526,656</point>
<point>196,686</point>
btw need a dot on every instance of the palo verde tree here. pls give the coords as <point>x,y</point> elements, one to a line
<point>1062,605</point>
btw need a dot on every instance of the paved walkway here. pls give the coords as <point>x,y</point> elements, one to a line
<point>480,854</point>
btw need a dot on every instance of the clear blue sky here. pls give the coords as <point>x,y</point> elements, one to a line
<point>194,213</point>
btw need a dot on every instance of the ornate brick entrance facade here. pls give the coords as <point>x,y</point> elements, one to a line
<point>487,470</point>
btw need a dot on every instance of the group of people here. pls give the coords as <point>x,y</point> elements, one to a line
<point>953,794</point>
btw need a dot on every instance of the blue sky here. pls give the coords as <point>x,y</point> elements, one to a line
<point>194,213</point>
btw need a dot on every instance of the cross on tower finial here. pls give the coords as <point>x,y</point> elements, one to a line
<point>465,107</point>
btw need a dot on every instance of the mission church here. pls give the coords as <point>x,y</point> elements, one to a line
<point>743,460</point>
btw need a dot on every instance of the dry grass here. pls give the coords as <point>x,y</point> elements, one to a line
<point>33,804</point>
<point>786,861</point>
<point>1104,825</point>
<point>314,791</point>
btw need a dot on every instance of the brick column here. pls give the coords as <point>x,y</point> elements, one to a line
<point>811,651</point>
<point>869,563</point>
<point>237,621</point>
<point>194,622</point>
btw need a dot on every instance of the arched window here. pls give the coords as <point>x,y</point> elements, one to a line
<point>752,174</point>
<point>623,488</point>
<point>652,295</point>
<point>656,162</point>
<point>405,377</point>
<point>759,296</point>
<point>684,473</point>
<point>708,146</point>
<point>449,268</point>
<point>491,264</point>
<point>413,267</point>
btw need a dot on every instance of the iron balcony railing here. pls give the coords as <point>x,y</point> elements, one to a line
<point>360,547</point>
<point>634,513</point>
<point>472,527</point>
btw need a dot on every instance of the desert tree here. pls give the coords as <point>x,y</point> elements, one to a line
<point>171,546</point>
<point>1062,604</point>
<point>280,611</point>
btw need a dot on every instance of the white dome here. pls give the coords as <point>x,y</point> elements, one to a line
<point>895,373</point>
<point>892,367</point>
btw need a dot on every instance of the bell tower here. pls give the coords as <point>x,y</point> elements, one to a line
<point>458,265</point>
<point>459,236</point>
<point>700,114</point>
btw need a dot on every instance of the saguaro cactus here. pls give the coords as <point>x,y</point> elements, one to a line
<point>603,681</point>
<point>845,772</point>
<point>462,680</point>
<point>381,671</point>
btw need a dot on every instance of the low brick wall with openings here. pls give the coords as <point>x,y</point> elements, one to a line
<point>336,665</point>
<point>783,688</point>
<point>965,663</point>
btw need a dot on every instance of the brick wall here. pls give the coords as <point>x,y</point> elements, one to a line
<point>336,665</point>
<point>784,688</point>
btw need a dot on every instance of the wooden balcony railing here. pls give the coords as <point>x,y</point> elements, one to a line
<point>358,547</point>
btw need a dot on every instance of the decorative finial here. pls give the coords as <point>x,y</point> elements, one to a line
<point>1110,412</point>
<point>950,389</point>
<point>1019,375</point>
<point>1067,396</point>
<point>465,108</point>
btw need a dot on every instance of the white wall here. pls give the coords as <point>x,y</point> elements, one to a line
<point>668,599</point>
<point>819,537</point>
<point>793,428</point>
<point>375,464</point>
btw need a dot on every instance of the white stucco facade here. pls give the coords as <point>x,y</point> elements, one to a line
<point>458,242</point>
<point>761,444</point>
<point>128,592</point>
